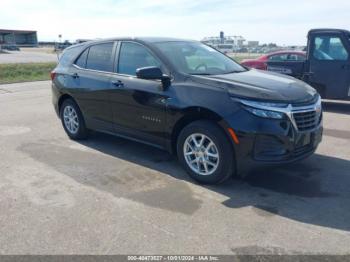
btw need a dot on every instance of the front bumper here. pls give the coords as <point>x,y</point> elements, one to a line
<point>265,141</point>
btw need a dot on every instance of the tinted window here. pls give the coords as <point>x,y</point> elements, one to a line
<point>292,57</point>
<point>301,58</point>
<point>329,48</point>
<point>68,55</point>
<point>279,57</point>
<point>81,61</point>
<point>198,59</point>
<point>133,56</point>
<point>100,57</point>
<point>296,57</point>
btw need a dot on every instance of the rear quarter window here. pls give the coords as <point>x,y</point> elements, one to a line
<point>68,55</point>
<point>81,61</point>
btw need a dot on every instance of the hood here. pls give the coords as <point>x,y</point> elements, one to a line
<point>261,85</point>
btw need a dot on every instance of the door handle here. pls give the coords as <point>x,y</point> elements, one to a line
<point>345,67</point>
<point>118,83</point>
<point>75,75</point>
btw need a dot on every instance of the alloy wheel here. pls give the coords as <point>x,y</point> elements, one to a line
<point>71,120</point>
<point>201,154</point>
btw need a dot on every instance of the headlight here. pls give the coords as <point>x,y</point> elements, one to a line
<point>265,113</point>
<point>264,105</point>
<point>265,109</point>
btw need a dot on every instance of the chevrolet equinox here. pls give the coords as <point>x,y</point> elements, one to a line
<point>219,117</point>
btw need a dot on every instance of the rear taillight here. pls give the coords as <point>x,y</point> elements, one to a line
<point>53,75</point>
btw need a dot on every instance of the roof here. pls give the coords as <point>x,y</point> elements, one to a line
<point>330,30</point>
<point>9,31</point>
<point>141,39</point>
<point>160,39</point>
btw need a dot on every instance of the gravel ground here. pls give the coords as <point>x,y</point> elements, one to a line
<point>14,57</point>
<point>108,195</point>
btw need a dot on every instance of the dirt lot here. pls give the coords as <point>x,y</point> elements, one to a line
<point>108,195</point>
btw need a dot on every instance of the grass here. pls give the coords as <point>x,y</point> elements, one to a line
<point>14,73</point>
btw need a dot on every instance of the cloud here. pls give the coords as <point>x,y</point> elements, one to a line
<point>269,21</point>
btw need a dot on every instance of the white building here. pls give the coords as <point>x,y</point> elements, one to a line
<point>236,40</point>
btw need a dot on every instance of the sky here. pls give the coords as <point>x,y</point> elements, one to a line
<point>277,21</point>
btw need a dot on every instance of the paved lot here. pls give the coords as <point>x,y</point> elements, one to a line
<point>12,57</point>
<point>110,195</point>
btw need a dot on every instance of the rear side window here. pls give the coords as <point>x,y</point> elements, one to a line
<point>81,61</point>
<point>100,57</point>
<point>301,58</point>
<point>279,57</point>
<point>292,57</point>
<point>133,56</point>
<point>296,57</point>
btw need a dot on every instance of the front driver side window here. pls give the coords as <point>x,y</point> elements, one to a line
<point>329,48</point>
<point>133,56</point>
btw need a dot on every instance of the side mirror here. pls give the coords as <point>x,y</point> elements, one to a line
<point>150,72</point>
<point>153,73</point>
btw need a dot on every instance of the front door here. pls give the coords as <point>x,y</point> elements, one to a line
<point>329,65</point>
<point>138,105</point>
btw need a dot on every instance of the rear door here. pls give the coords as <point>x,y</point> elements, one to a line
<point>329,64</point>
<point>90,82</point>
<point>138,105</point>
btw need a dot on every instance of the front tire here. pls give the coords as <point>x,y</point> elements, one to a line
<point>205,152</point>
<point>73,120</point>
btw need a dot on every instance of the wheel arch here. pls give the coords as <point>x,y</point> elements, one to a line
<point>62,99</point>
<point>192,114</point>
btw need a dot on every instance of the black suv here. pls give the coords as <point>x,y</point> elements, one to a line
<point>186,97</point>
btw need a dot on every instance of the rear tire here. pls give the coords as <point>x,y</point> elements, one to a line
<point>73,120</point>
<point>205,152</point>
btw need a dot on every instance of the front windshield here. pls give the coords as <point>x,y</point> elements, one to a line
<point>198,59</point>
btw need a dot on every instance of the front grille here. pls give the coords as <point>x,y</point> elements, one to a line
<point>306,120</point>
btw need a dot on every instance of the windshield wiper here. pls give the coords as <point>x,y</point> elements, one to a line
<point>234,71</point>
<point>201,74</point>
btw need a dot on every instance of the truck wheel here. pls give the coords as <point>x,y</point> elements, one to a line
<point>205,152</point>
<point>72,120</point>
